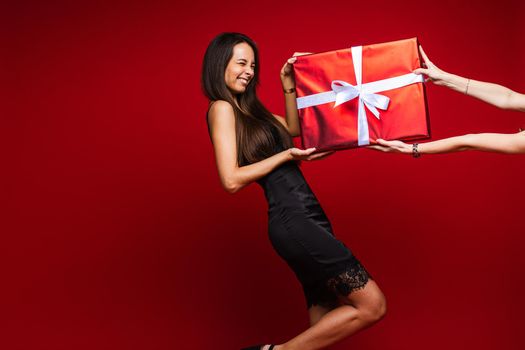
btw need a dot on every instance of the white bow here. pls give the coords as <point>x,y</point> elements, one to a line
<point>345,92</point>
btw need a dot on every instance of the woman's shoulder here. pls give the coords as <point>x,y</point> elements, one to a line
<point>219,108</point>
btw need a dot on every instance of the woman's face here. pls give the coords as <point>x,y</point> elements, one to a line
<point>240,69</point>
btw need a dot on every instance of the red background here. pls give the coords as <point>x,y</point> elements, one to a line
<point>117,234</point>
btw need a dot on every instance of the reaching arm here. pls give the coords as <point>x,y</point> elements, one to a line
<point>493,94</point>
<point>222,127</point>
<point>488,142</point>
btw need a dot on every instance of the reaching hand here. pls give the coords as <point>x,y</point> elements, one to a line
<point>392,146</point>
<point>434,74</point>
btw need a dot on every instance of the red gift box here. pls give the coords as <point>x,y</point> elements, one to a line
<point>351,97</point>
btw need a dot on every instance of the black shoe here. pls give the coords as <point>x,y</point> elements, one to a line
<point>258,347</point>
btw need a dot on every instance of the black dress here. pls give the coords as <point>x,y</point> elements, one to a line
<point>302,235</point>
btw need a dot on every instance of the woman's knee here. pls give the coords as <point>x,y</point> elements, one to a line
<point>375,309</point>
<point>370,303</point>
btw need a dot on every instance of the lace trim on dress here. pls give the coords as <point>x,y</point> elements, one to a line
<point>352,279</point>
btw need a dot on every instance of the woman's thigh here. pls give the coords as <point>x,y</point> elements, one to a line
<point>370,297</point>
<point>316,312</point>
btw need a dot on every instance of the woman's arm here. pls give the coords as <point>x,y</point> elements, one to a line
<point>493,94</point>
<point>290,98</point>
<point>488,142</point>
<point>222,127</point>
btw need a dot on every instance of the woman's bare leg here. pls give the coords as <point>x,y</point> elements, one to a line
<point>316,312</point>
<point>361,309</point>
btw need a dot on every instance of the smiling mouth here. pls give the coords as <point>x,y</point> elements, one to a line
<point>244,80</point>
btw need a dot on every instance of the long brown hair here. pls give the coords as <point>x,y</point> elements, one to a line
<point>252,120</point>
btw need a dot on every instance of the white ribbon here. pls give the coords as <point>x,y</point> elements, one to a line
<point>343,92</point>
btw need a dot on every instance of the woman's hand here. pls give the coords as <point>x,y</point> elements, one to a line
<point>306,154</point>
<point>287,77</point>
<point>321,155</point>
<point>433,73</point>
<point>392,146</point>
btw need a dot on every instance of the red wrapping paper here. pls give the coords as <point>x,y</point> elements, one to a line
<point>329,128</point>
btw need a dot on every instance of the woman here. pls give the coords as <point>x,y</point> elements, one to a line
<point>493,94</point>
<point>253,145</point>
